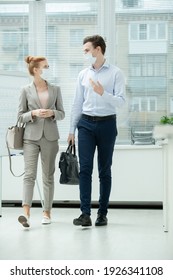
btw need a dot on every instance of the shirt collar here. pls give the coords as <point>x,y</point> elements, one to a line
<point>105,65</point>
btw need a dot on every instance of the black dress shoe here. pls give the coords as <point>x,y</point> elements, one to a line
<point>84,220</point>
<point>101,220</point>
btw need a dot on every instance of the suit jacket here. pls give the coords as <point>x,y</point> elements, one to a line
<point>37,127</point>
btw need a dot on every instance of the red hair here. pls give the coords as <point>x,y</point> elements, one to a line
<point>33,62</point>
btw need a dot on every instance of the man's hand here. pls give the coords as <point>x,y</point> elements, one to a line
<point>71,138</point>
<point>97,87</point>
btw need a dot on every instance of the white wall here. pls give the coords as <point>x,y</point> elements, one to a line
<point>137,173</point>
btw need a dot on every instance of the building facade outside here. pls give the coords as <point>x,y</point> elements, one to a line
<point>144,51</point>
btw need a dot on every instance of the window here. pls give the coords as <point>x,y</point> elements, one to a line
<point>11,39</point>
<point>144,104</point>
<point>148,31</point>
<point>24,44</point>
<point>67,23</point>
<point>10,67</point>
<point>14,36</point>
<point>51,38</point>
<point>148,66</point>
<point>171,105</point>
<point>76,37</point>
<point>75,68</point>
<point>161,31</point>
<point>142,31</point>
<point>134,31</point>
<point>171,35</point>
<point>130,3</point>
<point>171,70</point>
<point>56,30</point>
<point>152,32</point>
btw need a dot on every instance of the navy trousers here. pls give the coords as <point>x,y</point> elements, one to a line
<point>91,134</point>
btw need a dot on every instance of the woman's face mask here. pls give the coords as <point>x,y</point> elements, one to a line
<point>45,75</point>
<point>91,59</point>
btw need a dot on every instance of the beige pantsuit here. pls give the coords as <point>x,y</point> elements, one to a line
<point>40,138</point>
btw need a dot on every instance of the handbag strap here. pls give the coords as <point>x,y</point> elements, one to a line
<point>71,149</point>
<point>10,161</point>
<point>19,123</point>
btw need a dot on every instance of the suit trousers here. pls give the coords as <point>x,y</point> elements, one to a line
<point>94,134</point>
<point>47,151</point>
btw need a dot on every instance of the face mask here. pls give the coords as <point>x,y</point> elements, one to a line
<point>45,74</point>
<point>91,59</point>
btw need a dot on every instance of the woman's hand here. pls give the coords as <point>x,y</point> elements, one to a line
<point>42,113</point>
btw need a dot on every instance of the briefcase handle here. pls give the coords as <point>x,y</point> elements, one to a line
<point>71,149</point>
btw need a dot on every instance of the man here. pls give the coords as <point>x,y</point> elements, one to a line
<point>99,91</point>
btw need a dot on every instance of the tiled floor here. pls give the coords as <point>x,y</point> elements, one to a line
<point>131,234</point>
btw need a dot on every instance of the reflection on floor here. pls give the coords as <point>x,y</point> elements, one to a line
<point>131,234</point>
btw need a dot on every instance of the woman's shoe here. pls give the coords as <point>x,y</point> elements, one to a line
<point>46,220</point>
<point>24,221</point>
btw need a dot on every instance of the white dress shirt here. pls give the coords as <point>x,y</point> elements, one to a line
<point>88,102</point>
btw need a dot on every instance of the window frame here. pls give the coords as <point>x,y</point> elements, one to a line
<point>149,25</point>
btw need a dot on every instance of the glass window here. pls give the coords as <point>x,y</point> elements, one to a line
<point>76,36</point>
<point>142,31</point>
<point>149,65</point>
<point>130,3</point>
<point>14,28</point>
<point>148,31</point>
<point>10,40</point>
<point>75,68</point>
<point>152,31</point>
<point>152,104</point>
<point>171,70</point>
<point>171,35</point>
<point>144,104</point>
<point>67,23</point>
<point>161,31</point>
<point>10,67</point>
<point>56,29</point>
<point>133,31</point>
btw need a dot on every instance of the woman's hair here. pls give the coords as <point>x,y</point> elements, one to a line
<point>96,41</point>
<point>33,62</point>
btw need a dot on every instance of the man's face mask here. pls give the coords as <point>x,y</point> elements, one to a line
<point>91,59</point>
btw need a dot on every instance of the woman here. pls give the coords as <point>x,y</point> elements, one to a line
<point>40,106</point>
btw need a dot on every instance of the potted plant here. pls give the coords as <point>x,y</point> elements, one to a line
<point>166,120</point>
<point>164,129</point>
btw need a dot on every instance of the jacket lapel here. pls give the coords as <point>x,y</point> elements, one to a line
<point>51,95</point>
<point>51,98</point>
<point>34,94</point>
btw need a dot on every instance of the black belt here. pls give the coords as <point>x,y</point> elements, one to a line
<point>97,118</point>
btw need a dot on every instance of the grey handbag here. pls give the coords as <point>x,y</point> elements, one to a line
<point>14,140</point>
<point>14,136</point>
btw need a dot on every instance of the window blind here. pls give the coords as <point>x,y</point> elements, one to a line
<point>55,29</point>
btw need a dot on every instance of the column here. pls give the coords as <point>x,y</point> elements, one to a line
<point>166,132</point>
<point>106,27</point>
<point>37,19</point>
<point>0,186</point>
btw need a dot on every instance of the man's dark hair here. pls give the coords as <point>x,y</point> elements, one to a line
<point>96,41</point>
